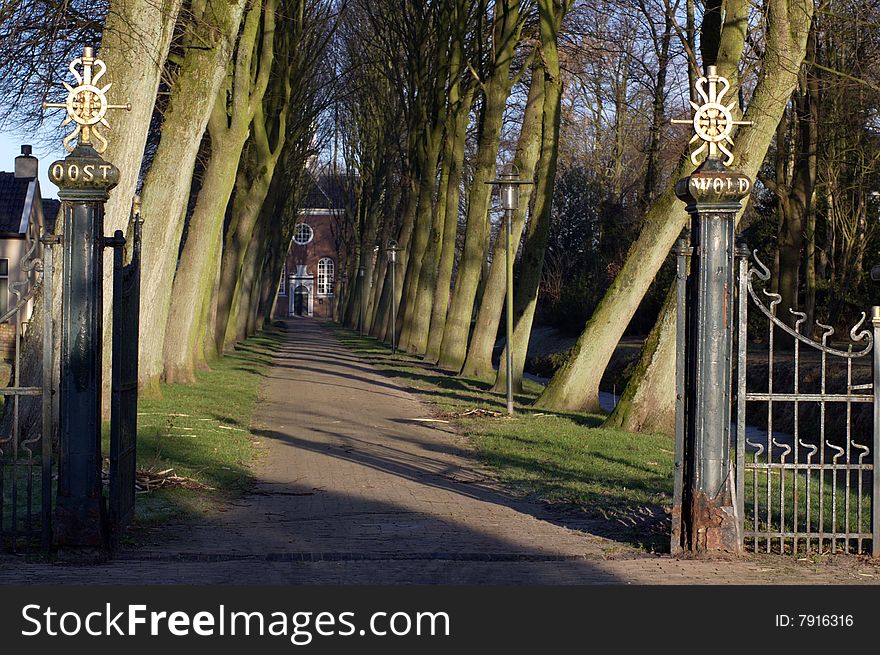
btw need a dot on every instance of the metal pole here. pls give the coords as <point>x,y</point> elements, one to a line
<point>361,301</point>
<point>875,447</point>
<point>48,370</point>
<point>509,312</point>
<point>712,195</point>
<point>682,251</point>
<point>742,346</point>
<point>393,307</point>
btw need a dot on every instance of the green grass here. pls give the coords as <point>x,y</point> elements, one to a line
<point>201,431</point>
<point>622,479</point>
<point>830,516</point>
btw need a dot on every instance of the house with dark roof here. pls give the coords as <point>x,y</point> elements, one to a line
<point>308,279</point>
<point>24,214</point>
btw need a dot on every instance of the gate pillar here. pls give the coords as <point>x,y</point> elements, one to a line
<point>80,511</point>
<point>84,180</point>
<point>712,195</point>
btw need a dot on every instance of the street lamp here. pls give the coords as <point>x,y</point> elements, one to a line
<point>361,304</point>
<point>875,271</point>
<point>508,183</point>
<point>392,251</point>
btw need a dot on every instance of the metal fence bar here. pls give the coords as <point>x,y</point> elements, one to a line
<point>682,250</point>
<point>811,397</point>
<point>797,364</point>
<point>846,502</point>
<point>770,424</point>
<point>123,414</point>
<point>16,434</point>
<point>875,446</point>
<point>788,534</point>
<point>48,371</point>
<point>823,375</point>
<point>811,467</point>
<point>742,253</point>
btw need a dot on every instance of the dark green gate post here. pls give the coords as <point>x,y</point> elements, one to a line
<point>712,193</point>
<point>84,180</point>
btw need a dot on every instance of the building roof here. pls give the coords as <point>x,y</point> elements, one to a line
<point>325,191</point>
<point>13,199</point>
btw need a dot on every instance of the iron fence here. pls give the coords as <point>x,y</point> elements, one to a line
<point>26,436</point>
<point>808,486</point>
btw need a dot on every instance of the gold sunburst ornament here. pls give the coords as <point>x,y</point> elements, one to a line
<point>713,120</point>
<point>86,103</point>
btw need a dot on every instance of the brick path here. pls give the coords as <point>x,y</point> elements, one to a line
<point>355,488</point>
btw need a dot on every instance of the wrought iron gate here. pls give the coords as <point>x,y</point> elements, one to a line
<point>26,434</point>
<point>123,399</point>
<point>805,479</point>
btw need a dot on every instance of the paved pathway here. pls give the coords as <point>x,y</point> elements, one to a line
<point>355,487</point>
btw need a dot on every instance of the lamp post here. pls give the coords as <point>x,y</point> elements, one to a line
<point>361,303</point>
<point>508,183</point>
<point>392,251</point>
<point>875,270</point>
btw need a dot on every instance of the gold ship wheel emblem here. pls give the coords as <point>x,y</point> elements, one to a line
<point>86,103</point>
<point>713,120</point>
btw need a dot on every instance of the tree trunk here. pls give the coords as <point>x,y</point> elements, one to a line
<point>786,41</point>
<point>420,322</point>
<point>649,406</point>
<point>532,262</point>
<point>658,111</point>
<point>479,358</point>
<point>421,231</point>
<point>166,187</point>
<point>136,39</point>
<point>575,386</point>
<point>496,91</point>
<point>194,284</point>
<point>443,283</point>
<point>251,192</point>
<point>403,239</point>
<point>195,290</point>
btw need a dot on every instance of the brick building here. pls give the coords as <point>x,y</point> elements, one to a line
<point>308,279</point>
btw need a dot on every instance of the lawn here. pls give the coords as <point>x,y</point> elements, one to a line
<point>829,509</point>
<point>564,458</point>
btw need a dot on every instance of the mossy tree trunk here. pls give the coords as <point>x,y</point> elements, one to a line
<point>195,282</point>
<point>416,340</point>
<point>788,25</point>
<point>453,165</point>
<point>575,386</point>
<point>479,357</point>
<point>135,43</point>
<point>496,89</point>
<point>532,261</point>
<point>208,44</point>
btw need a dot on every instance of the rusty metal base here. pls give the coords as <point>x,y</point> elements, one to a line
<point>79,522</point>
<point>713,524</point>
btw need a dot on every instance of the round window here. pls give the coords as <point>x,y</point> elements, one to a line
<point>303,234</point>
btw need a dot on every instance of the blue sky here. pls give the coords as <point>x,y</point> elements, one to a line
<point>47,152</point>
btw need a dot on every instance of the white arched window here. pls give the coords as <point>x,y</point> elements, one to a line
<point>302,233</point>
<point>325,276</point>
